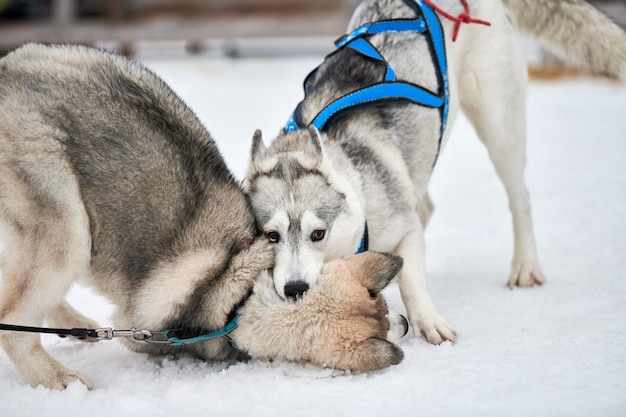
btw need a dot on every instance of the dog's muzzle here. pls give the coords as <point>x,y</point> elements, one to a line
<point>295,289</point>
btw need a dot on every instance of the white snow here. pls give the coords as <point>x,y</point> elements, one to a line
<point>559,350</point>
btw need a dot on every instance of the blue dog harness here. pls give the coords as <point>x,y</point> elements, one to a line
<point>389,90</point>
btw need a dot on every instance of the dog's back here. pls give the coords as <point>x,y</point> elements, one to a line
<point>76,105</point>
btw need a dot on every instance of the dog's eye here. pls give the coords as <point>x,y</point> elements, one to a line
<point>373,294</point>
<point>273,237</point>
<point>318,235</point>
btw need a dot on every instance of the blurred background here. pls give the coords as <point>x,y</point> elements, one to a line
<point>232,28</point>
<point>227,27</point>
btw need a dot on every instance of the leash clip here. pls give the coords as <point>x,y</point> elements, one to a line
<point>105,333</point>
<point>140,337</point>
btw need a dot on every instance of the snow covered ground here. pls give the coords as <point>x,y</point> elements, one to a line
<point>559,350</point>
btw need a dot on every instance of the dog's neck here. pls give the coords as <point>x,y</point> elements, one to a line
<point>341,172</point>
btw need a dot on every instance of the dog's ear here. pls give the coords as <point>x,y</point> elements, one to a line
<point>258,151</point>
<point>375,353</point>
<point>374,270</point>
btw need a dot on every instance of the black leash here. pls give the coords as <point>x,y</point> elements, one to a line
<point>167,337</point>
<point>76,332</point>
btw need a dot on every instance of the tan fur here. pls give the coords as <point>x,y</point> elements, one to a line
<point>341,323</point>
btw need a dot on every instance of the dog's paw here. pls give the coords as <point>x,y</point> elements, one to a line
<point>250,262</point>
<point>60,378</point>
<point>372,354</point>
<point>358,323</point>
<point>526,274</point>
<point>434,329</point>
<point>71,378</point>
<point>259,255</point>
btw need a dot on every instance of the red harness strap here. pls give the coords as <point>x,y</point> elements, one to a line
<point>464,17</point>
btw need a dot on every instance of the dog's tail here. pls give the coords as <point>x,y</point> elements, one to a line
<point>575,31</point>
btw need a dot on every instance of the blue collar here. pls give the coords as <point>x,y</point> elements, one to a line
<point>389,90</point>
<point>175,341</point>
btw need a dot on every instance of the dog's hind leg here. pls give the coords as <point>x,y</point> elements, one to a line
<point>47,246</point>
<point>66,316</point>
<point>493,96</point>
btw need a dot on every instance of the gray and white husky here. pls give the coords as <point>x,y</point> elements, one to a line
<point>316,195</point>
<point>106,176</point>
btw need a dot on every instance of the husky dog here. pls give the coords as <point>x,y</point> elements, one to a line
<point>317,195</point>
<point>107,177</point>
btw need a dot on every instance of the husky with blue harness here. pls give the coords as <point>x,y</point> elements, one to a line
<point>352,166</point>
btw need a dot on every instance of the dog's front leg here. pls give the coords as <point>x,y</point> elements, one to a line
<point>37,366</point>
<point>239,278</point>
<point>25,349</point>
<point>421,311</point>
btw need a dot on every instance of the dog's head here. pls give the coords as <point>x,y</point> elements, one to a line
<point>306,207</point>
<point>360,330</point>
<point>342,323</point>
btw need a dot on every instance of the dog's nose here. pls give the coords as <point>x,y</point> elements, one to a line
<point>295,289</point>
<point>405,323</point>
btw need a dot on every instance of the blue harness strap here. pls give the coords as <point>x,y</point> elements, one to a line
<point>439,48</point>
<point>389,90</point>
<point>399,25</point>
<point>365,48</point>
<point>376,94</point>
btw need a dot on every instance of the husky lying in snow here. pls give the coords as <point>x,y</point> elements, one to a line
<point>318,195</point>
<point>347,322</point>
<point>106,176</point>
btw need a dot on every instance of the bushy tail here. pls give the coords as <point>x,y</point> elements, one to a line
<point>575,31</point>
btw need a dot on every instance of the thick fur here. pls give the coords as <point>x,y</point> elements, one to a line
<point>108,178</point>
<point>575,31</point>
<point>342,323</point>
<point>374,164</point>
